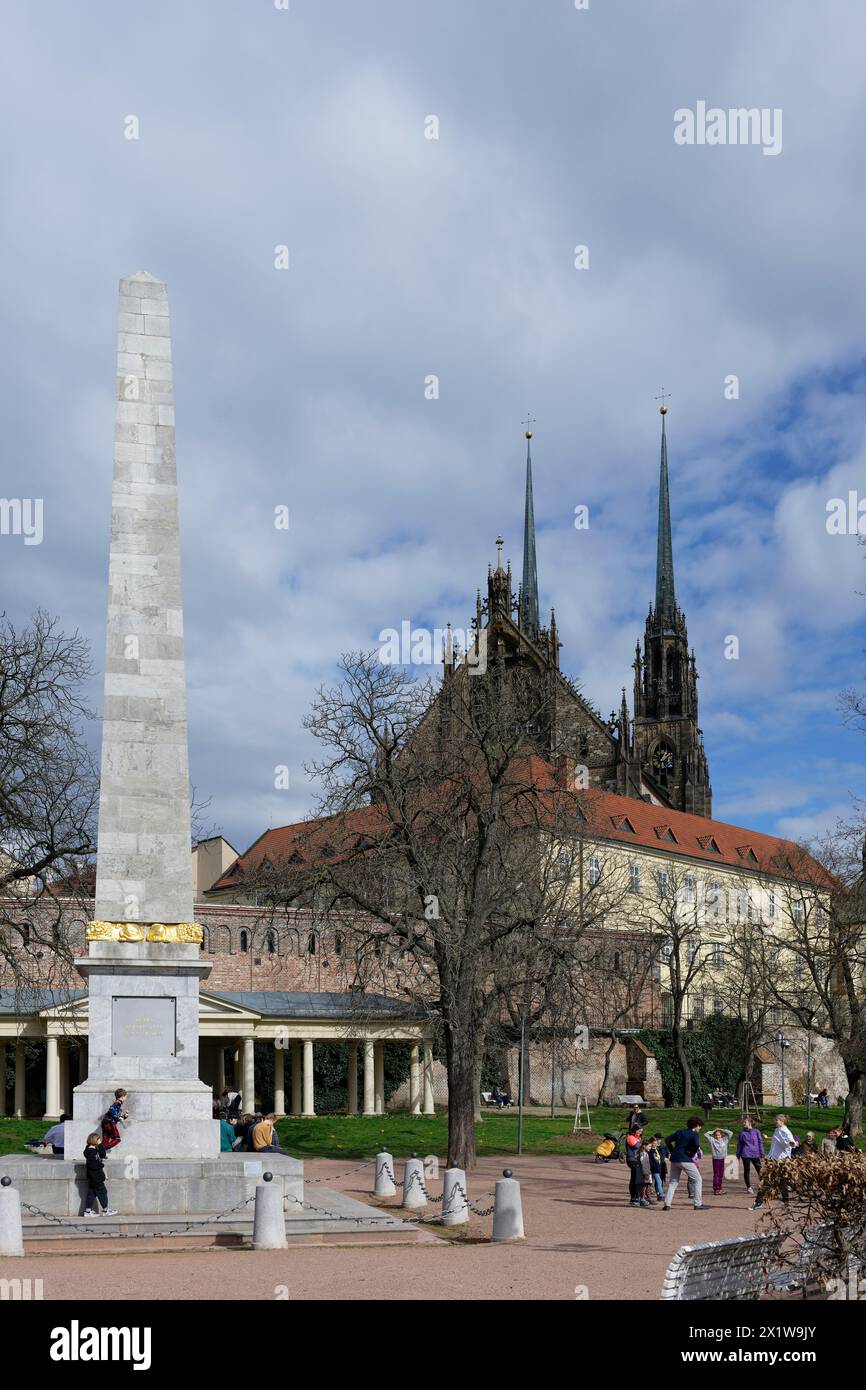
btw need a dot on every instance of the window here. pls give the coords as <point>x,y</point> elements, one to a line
<point>271,942</point>
<point>594,870</point>
<point>715,905</point>
<point>717,953</point>
<point>666,952</point>
<point>743,905</point>
<point>563,862</point>
<point>311,944</point>
<point>798,910</point>
<point>698,1008</point>
<point>717,1006</point>
<point>244,941</point>
<point>338,945</point>
<point>634,878</point>
<point>693,950</point>
<point>688,889</point>
<point>771,903</point>
<point>664,883</point>
<point>708,843</point>
<point>617,963</point>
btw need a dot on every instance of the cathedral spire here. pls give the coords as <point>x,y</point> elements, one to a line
<point>529,588</point>
<point>665,599</point>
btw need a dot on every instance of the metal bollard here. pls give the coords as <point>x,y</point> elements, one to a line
<point>269,1222</point>
<point>455,1207</point>
<point>508,1211</point>
<point>11,1234</point>
<point>383,1185</point>
<point>413,1179</point>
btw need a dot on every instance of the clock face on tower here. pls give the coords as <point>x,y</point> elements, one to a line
<point>662,759</point>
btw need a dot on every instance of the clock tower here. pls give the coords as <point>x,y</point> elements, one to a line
<point>668,745</point>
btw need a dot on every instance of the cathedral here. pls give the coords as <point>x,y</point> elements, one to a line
<point>658,755</point>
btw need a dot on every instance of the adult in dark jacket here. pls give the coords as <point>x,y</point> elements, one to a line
<point>632,1158</point>
<point>636,1119</point>
<point>684,1144</point>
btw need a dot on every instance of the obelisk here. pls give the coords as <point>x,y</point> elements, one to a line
<point>144,965</point>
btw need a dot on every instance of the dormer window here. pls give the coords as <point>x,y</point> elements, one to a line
<point>708,842</point>
<point>623,823</point>
<point>746,852</point>
<point>664,832</point>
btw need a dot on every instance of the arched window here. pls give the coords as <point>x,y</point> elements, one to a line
<point>24,933</point>
<point>245,941</point>
<point>271,942</point>
<point>338,945</point>
<point>311,944</point>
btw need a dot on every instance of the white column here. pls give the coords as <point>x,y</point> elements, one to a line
<point>429,1108</point>
<point>414,1080</point>
<point>220,1069</point>
<point>369,1088</point>
<point>52,1078</point>
<point>65,1107</point>
<point>20,1094</point>
<point>249,1087</point>
<point>309,1099</point>
<point>352,1079</point>
<point>379,1077</point>
<point>296,1078</point>
<point>279,1078</point>
<point>2,1077</point>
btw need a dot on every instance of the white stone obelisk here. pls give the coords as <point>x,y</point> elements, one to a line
<point>144,963</point>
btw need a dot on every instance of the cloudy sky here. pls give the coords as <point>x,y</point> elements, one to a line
<point>454,257</point>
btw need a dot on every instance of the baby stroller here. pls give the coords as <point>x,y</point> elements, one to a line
<point>610,1149</point>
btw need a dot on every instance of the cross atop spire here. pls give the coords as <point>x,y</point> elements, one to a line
<point>529,620</point>
<point>665,597</point>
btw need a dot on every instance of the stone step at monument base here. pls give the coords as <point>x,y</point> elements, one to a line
<point>337,1220</point>
<point>162,1186</point>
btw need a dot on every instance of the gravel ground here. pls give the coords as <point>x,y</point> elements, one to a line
<point>581,1236</point>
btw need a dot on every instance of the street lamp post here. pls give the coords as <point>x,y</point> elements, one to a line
<point>782,1043</point>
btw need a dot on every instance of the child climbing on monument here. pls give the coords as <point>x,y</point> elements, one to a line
<point>97,1192</point>
<point>111,1120</point>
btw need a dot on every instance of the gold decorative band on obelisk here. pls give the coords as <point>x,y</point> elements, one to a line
<point>182,932</point>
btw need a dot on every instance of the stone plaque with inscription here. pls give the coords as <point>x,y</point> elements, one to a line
<point>143,1027</point>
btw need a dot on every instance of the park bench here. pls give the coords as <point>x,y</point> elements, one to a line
<point>722,1269</point>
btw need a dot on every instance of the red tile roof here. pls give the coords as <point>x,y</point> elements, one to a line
<point>627,820</point>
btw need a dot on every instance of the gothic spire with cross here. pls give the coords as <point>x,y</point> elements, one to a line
<point>529,620</point>
<point>665,595</point>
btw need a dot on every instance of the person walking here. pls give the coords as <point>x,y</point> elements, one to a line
<point>719,1140</point>
<point>684,1144</point>
<point>750,1148</point>
<point>782,1145</point>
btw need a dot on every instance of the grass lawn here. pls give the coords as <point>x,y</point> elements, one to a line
<point>359,1136</point>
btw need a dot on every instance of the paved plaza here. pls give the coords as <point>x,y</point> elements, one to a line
<point>581,1234</point>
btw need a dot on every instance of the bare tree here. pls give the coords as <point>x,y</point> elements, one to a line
<point>451,847</point>
<point>48,800</point>
<point>669,905</point>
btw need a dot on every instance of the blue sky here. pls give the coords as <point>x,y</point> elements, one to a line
<point>453,257</point>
